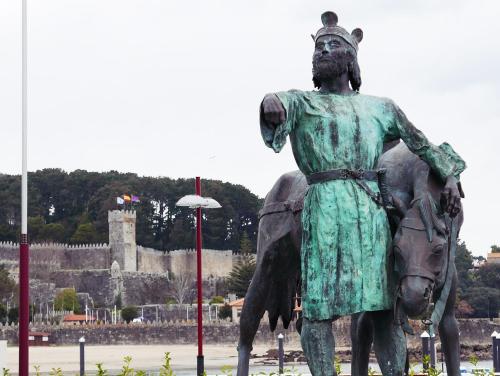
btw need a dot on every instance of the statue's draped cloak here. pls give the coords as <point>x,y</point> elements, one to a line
<point>346,236</point>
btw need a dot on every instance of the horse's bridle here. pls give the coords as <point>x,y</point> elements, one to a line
<point>416,271</point>
<point>433,315</point>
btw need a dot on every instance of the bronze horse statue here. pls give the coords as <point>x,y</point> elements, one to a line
<point>421,257</point>
<point>424,242</point>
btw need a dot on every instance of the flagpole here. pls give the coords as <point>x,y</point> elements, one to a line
<point>23,246</point>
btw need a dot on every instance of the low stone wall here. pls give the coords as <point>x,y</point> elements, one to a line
<point>473,332</point>
<point>150,333</point>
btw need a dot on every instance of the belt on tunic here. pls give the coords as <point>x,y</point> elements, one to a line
<point>341,174</point>
<point>358,176</point>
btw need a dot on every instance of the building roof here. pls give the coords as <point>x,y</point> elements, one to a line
<point>78,318</point>
<point>237,303</point>
<point>39,334</point>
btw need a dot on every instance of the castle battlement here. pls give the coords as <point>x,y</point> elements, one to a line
<point>53,246</point>
<point>120,215</point>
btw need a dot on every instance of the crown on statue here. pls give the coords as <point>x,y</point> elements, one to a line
<point>330,27</point>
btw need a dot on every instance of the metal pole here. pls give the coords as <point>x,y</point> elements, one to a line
<point>82,356</point>
<point>200,361</point>
<point>23,244</point>
<point>433,350</point>
<point>281,354</point>
<point>426,348</point>
<point>498,352</point>
<point>495,350</point>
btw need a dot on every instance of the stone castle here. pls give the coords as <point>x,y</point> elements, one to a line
<point>120,269</point>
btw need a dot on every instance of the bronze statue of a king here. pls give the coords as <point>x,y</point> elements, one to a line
<point>337,135</point>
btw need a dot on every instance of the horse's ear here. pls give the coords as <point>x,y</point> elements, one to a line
<point>426,216</point>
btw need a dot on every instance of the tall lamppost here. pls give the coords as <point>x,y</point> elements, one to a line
<point>23,243</point>
<point>197,202</point>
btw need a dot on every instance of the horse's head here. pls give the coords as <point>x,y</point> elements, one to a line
<point>421,255</point>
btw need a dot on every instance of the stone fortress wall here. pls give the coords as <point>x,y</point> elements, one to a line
<point>56,256</point>
<point>138,274</point>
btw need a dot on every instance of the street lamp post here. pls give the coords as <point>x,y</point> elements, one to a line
<point>197,202</point>
<point>23,243</point>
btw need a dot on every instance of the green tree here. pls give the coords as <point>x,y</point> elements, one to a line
<point>463,263</point>
<point>485,301</point>
<point>488,275</point>
<point>118,301</point>
<point>67,300</point>
<point>13,315</point>
<point>129,313</point>
<point>3,314</point>
<point>52,232</point>
<point>240,277</point>
<point>246,246</point>
<point>84,234</point>
<point>35,227</point>
<point>58,197</point>
<point>225,311</point>
<point>495,248</point>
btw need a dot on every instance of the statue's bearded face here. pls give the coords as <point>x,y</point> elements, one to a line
<point>332,57</point>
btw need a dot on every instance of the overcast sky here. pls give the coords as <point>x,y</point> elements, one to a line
<point>172,88</point>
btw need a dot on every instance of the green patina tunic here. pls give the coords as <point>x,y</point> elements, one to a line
<point>346,236</point>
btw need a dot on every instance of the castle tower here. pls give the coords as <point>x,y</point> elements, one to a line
<point>122,239</point>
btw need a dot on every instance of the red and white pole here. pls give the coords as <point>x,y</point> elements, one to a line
<point>23,247</point>
<point>200,361</point>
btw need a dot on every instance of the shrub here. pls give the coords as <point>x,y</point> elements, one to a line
<point>129,313</point>
<point>13,315</point>
<point>225,311</point>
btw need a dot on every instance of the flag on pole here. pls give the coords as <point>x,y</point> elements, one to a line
<point>135,198</point>
<point>126,198</point>
<point>120,201</point>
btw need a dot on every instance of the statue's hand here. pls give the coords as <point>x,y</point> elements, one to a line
<point>273,112</point>
<point>450,197</point>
